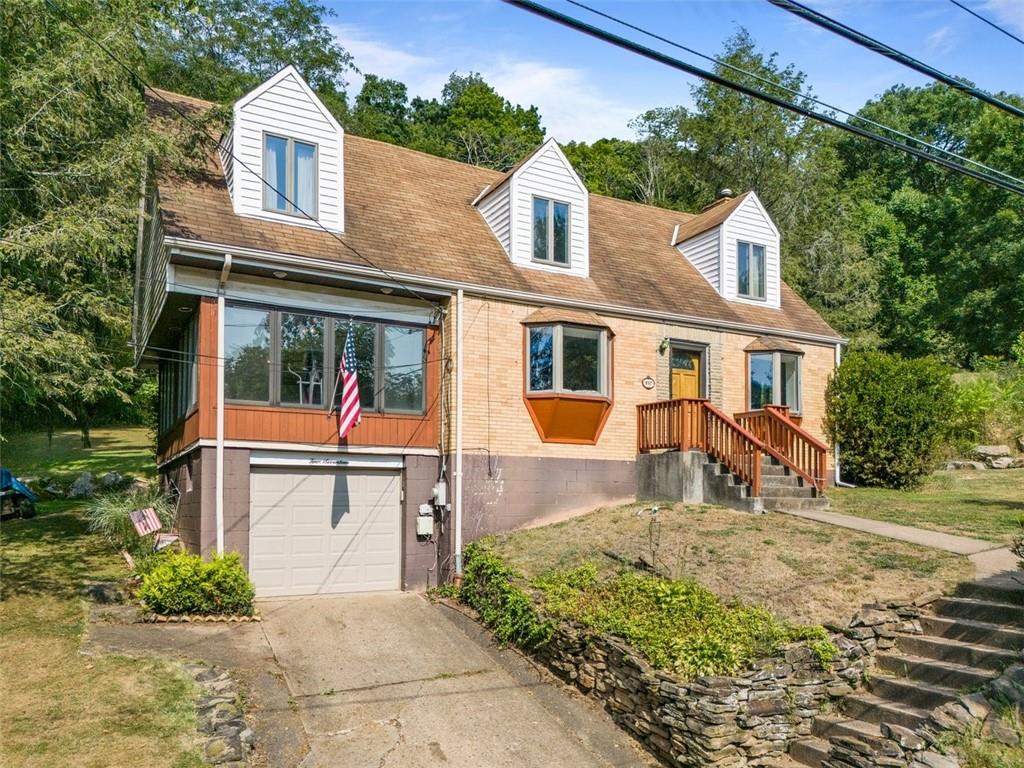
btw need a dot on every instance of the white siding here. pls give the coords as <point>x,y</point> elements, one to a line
<point>750,223</point>
<point>286,107</point>
<point>704,252</point>
<point>548,174</point>
<point>496,212</point>
<point>227,163</point>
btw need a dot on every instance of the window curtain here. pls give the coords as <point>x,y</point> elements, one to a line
<point>304,194</point>
<point>276,162</point>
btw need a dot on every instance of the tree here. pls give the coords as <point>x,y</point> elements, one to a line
<point>381,111</point>
<point>75,140</point>
<point>472,123</point>
<point>221,49</point>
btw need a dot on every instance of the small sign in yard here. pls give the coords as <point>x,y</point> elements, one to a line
<point>164,540</point>
<point>145,521</point>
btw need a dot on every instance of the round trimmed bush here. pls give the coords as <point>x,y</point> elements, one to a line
<point>890,416</point>
<point>182,583</point>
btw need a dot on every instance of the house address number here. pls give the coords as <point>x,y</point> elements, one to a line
<point>647,382</point>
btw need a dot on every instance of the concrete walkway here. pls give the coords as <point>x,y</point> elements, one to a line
<point>988,558</point>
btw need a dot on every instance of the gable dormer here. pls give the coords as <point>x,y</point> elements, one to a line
<point>283,135</point>
<point>735,245</point>
<point>539,213</point>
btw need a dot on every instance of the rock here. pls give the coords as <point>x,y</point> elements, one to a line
<point>1020,443</point>
<point>103,592</point>
<point>975,465</point>
<point>905,737</point>
<point>248,739</point>
<point>83,487</point>
<point>1018,463</point>
<point>223,750</point>
<point>869,618</point>
<point>933,760</point>
<point>984,452</point>
<point>1002,462</point>
<point>999,730</point>
<point>110,481</point>
<point>976,705</point>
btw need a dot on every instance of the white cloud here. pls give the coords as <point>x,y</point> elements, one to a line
<point>1008,12</point>
<point>571,106</point>
<point>942,40</point>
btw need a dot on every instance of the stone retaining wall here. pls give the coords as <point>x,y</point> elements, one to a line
<point>747,719</point>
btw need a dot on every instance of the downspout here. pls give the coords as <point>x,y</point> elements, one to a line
<point>458,433</point>
<point>838,479</point>
<point>219,489</point>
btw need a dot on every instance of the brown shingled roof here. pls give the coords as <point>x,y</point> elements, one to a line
<point>411,212</point>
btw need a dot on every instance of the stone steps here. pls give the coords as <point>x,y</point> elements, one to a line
<point>933,672</point>
<point>1003,588</point>
<point>911,692</point>
<point>827,726</point>
<point>956,651</point>
<point>971,631</point>
<point>874,709</point>
<point>979,610</point>
<point>809,751</point>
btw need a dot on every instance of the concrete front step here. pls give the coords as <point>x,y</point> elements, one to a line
<point>784,504</point>
<point>956,651</point>
<point>782,480</point>
<point>810,751</point>
<point>774,470</point>
<point>911,693</point>
<point>979,610</point>
<point>773,491</point>
<point>933,672</point>
<point>873,709</point>
<point>971,631</point>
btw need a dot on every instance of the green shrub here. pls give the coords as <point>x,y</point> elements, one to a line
<point>989,406</point>
<point>890,416</point>
<point>489,587</point>
<point>107,515</point>
<point>181,583</point>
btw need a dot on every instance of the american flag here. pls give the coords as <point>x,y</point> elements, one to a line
<point>145,521</point>
<point>349,412</point>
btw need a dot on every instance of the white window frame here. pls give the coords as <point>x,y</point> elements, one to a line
<point>289,178</point>
<point>551,202</point>
<point>557,354</point>
<point>777,383</point>
<point>764,266</point>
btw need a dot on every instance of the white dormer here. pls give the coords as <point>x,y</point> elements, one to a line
<point>282,134</point>
<point>734,244</point>
<point>539,213</point>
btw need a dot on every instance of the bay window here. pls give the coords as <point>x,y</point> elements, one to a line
<point>564,358</point>
<point>774,379</point>
<point>278,357</point>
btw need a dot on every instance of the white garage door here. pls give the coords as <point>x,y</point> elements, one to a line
<point>318,532</point>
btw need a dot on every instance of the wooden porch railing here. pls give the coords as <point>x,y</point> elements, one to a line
<point>788,442</point>
<point>686,423</point>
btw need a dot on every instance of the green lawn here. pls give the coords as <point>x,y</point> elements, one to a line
<point>984,505</point>
<point>63,708</point>
<point>128,450</point>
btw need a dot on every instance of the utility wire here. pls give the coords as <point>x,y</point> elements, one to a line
<point>992,24</point>
<point>889,52</point>
<point>780,86</point>
<point>925,151</point>
<point>138,79</point>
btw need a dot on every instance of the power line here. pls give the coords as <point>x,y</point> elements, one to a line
<point>780,86</point>
<point>889,52</point>
<point>925,151</point>
<point>217,145</point>
<point>991,23</point>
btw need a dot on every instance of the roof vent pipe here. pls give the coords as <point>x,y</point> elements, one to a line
<point>724,193</point>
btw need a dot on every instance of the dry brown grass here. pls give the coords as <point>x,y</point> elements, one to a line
<point>62,708</point>
<point>802,570</point>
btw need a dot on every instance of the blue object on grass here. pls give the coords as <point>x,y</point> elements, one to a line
<point>8,482</point>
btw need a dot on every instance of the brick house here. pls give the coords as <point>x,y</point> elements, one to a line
<point>511,330</point>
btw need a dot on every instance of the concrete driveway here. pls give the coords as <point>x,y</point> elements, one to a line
<point>393,680</point>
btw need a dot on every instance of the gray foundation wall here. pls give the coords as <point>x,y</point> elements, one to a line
<point>422,561</point>
<point>506,492</point>
<point>671,476</point>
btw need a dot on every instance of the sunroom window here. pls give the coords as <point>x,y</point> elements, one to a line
<point>774,380</point>
<point>567,358</point>
<point>750,267</point>
<point>289,169</point>
<point>550,231</point>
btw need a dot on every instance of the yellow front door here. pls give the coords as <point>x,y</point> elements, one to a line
<point>685,373</point>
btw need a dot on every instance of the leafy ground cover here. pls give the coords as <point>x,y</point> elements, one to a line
<point>63,708</point>
<point>128,450</point>
<point>801,571</point>
<point>983,504</point>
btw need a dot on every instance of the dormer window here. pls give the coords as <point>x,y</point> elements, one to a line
<point>550,231</point>
<point>750,269</point>
<point>290,170</point>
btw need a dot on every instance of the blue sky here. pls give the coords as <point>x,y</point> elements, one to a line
<point>586,89</point>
